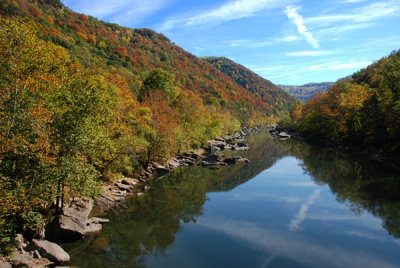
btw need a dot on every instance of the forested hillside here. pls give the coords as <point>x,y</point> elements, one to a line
<point>131,54</point>
<point>84,101</point>
<point>276,98</point>
<point>363,110</point>
<point>307,91</point>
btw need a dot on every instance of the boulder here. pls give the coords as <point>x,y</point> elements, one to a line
<point>23,260</point>
<point>52,251</point>
<point>242,159</point>
<point>74,222</point>
<point>123,187</point>
<point>216,145</point>
<point>160,168</point>
<point>283,135</point>
<point>173,163</point>
<point>5,265</point>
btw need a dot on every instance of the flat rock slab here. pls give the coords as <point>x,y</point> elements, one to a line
<point>5,265</point>
<point>52,251</point>
<point>23,260</point>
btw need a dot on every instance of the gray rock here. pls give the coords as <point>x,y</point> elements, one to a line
<point>242,159</point>
<point>173,163</point>
<point>283,135</point>
<point>123,187</point>
<point>5,265</point>
<point>216,145</point>
<point>161,169</point>
<point>23,260</point>
<point>74,223</point>
<point>52,251</point>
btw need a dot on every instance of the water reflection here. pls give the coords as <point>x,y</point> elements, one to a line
<point>274,220</point>
<point>364,184</point>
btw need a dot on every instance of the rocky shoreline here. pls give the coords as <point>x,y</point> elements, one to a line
<point>75,223</point>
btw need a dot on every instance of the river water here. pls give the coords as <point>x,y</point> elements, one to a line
<point>294,205</point>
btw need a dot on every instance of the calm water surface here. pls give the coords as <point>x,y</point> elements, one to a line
<point>294,205</point>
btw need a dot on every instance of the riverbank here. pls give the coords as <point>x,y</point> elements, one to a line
<point>75,223</point>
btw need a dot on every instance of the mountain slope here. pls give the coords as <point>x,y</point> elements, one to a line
<point>305,92</point>
<point>276,98</point>
<point>362,110</point>
<point>134,53</point>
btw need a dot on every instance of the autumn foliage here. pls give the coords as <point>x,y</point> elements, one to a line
<point>83,101</point>
<point>364,110</point>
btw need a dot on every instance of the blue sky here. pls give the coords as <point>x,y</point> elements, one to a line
<point>286,41</point>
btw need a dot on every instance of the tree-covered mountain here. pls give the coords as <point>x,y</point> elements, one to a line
<point>133,53</point>
<point>305,92</point>
<point>363,110</point>
<point>269,93</point>
<point>84,101</point>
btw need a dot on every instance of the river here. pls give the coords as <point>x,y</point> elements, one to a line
<point>294,205</point>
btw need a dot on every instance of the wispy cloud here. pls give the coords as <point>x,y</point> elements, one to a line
<point>312,53</point>
<point>275,197</point>
<point>296,248</point>
<point>297,19</point>
<point>302,184</point>
<point>348,65</point>
<point>364,14</point>
<point>264,43</point>
<point>232,10</point>
<point>121,11</point>
<point>334,66</point>
<point>294,224</point>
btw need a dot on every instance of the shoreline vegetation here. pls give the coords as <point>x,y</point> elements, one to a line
<point>360,112</point>
<point>74,222</point>
<point>84,102</point>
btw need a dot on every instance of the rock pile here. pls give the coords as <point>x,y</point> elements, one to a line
<point>279,133</point>
<point>36,253</point>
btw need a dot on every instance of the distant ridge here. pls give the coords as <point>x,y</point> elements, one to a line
<point>305,92</point>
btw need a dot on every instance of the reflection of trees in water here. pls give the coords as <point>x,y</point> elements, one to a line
<point>150,223</point>
<point>365,184</point>
<point>263,154</point>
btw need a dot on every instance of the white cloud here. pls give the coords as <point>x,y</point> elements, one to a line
<point>299,21</point>
<point>294,224</point>
<point>335,30</point>
<point>302,184</point>
<point>349,65</point>
<point>333,66</point>
<point>266,43</point>
<point>364,14</point>
<point>312,53</point>
<point>229,11</point>
<point>294,247</point>
<point>274,197</point>
<point>120,11</point>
